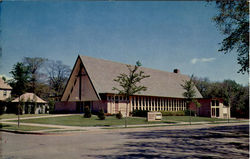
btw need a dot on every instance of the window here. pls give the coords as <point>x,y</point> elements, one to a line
<point>4,93</point>
<point>217,112</point>
<point>116,99</point>
<point>120,98</point>
<point>213,103</point>
<point>213,111</point>
<point>217,103</point>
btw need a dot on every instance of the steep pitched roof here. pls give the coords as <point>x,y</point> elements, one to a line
<point>4,85</point>
<point>29,97</point>
<point>160,83</point>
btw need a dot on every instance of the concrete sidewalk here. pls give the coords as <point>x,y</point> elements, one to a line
<point>36,117</point>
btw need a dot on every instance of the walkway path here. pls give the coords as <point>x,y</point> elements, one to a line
<point>98,128</point>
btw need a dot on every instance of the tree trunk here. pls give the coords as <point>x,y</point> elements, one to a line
<point>126,115</point>
<point>18,112</point>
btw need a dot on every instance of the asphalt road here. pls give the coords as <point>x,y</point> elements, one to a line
<point>166,142</point>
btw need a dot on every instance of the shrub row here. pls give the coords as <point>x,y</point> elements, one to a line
<point>173,113</point>
<point>140,113</point>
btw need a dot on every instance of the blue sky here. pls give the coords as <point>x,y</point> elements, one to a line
<point>162,35</point>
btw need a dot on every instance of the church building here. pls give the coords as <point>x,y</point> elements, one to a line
<point>92,80</point>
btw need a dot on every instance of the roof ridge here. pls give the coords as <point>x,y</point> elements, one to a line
<point>154,69</point>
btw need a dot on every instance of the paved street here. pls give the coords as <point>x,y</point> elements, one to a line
<point>197,141</point>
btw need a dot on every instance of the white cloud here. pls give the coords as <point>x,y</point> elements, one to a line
<point>7,77</point>
<point>195,60</point>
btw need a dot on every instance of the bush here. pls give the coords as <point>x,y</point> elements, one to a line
<point>187,113</point>
<point>140,113</point>
<point>101,114</point>
<point>51,105</point>
<point>119,115</point>
<point>87,113</point>
<point>172,113</point>
<point>2,107</point>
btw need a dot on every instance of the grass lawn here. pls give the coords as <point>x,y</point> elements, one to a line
<point>22,127</point>
<point>193,119</point>
<point>9,116</point>
<point>78,120</point>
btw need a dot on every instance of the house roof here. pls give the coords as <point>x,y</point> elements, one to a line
<point>29,97</point>
<point>160,83</point>
<point>4,85</point>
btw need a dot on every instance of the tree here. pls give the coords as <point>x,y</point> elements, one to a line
<point>233,94</point>
<point>34,64</point>
<point>190,94</point>
<point>128,83</point>
<point>101,114</point>
<point>58,74</point>
<point>20,75</point>
<point>233,22</point>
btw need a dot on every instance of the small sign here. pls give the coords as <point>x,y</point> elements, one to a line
<point>154,116</point>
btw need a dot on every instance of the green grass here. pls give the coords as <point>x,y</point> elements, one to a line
<point>78,120</point>
<point>193,119</point>
<point>9,116</point>
<point>22,127</point>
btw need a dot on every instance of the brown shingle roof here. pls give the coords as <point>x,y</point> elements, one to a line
<point>4,85</point>
<point>160,83</point>
<point>31,97</point>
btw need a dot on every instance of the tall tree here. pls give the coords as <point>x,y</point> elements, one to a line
<point>58,74</point>
<point>190,94</point>
<point>34,64</point>
<point>19,83</point>
<point>20,75</point>
<point>129,83</point>
<point>233,22</point>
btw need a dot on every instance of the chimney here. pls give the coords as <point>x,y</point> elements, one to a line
<point>176,70</point>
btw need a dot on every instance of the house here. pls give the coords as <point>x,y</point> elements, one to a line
<point>91,82</point>
<point>5,90</point>
<point>31,103</point>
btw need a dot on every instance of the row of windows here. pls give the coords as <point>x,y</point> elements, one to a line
<point>151,103</point>
<point>156,104</point>
<point>215,103</point>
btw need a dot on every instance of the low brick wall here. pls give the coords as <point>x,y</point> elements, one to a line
<point>65,107</point>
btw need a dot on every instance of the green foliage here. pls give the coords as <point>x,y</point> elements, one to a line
<point>187,112</point>
<point>119,115</point>
<point>101,114</point>
<point>2,107</point>
<point>190,92</point>
<point>87,113</point>
<point>20,75</point>
<point>233,22</point>
<point>51,104</point>
<point>129,82</point>
<point>233,94</point>
<point>140,113</point>
<point>172,113</point>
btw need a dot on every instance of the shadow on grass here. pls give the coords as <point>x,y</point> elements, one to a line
<point>217,142</point>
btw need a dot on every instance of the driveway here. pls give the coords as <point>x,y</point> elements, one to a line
<point>161,142</point>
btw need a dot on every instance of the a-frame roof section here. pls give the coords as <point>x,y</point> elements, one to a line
<point>160,83</point>
<point>72,78</point>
